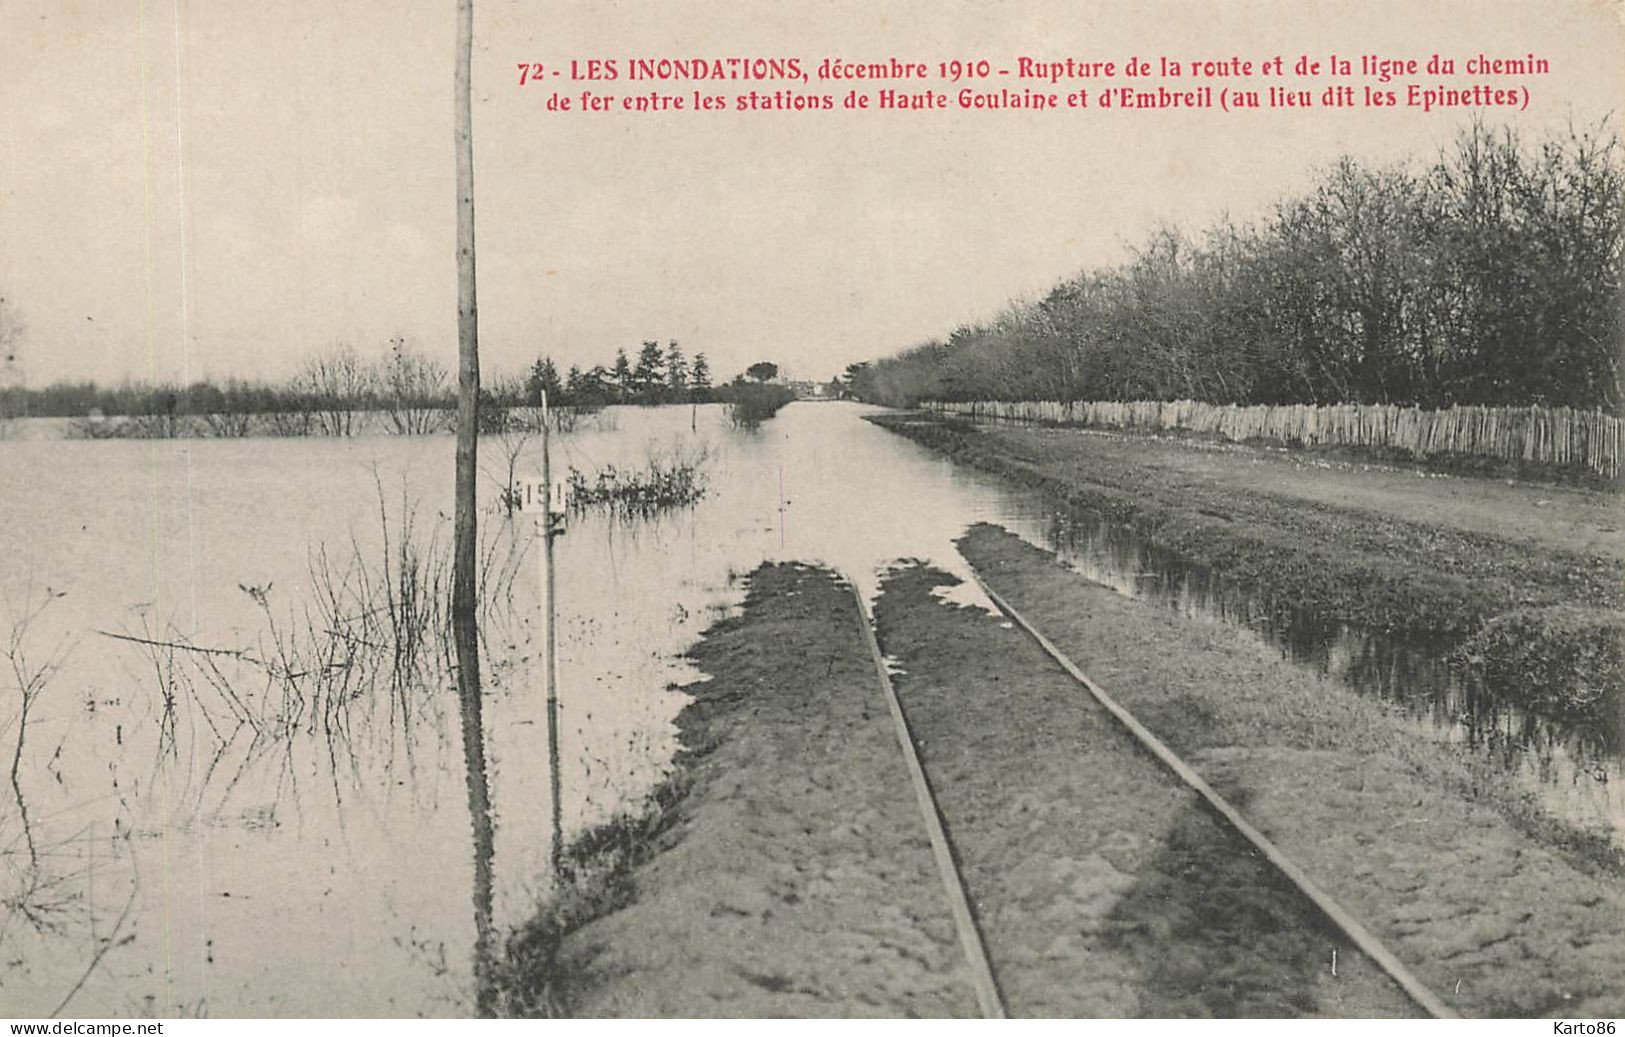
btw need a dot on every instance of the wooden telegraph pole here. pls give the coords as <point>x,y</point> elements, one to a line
<point>549,530</point>
<point>464,593</point>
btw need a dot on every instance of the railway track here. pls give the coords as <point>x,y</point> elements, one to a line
<point>1103,876</point>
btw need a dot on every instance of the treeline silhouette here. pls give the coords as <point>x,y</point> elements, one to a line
<point>323,395</point>
<point>658,375</point>
<point>1492,276</point>
<point>339,392</point>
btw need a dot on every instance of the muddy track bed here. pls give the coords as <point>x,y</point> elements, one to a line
<point>1489,908</point>
<point>1103,888</point>
<point>791,875</point>
<point>787,871</point>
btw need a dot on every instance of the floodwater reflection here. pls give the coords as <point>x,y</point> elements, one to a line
<point>1567,760</point>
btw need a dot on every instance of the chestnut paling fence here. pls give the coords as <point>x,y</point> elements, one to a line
<point>1557,436</point>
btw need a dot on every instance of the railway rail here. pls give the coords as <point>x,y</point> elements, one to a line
<point>973,936</point>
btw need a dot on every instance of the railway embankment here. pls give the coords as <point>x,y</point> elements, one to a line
<point>1437,856</point>
<point>1103,888</point>
<point>785,869</point>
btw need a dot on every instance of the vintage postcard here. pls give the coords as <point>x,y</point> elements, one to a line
<point>840,508</point>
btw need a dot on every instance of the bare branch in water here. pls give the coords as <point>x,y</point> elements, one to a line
<point>182,646</point>
<point>31,680</point>
<point>107,943</point>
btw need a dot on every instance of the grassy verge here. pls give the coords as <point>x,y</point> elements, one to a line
<point>534,978</point>
<point>1347,564</point>
<point>1474,465</point>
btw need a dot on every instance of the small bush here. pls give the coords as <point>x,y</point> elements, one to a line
<point>749,405</point>
<point>1564,659</point>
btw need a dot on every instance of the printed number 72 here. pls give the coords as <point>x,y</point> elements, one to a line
<point>529,71</point>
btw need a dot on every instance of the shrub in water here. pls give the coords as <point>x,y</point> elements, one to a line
<point>666,480</point>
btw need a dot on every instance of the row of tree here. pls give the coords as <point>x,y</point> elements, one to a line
<point>327,393</point>
<point>411,390</point>
<point>1492,276</point>
<point>657,376</point>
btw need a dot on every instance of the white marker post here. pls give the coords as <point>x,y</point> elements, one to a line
<point>536,496</point>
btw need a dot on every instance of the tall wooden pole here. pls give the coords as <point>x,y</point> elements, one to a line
<point>464,593</point>
<point>551,641</point>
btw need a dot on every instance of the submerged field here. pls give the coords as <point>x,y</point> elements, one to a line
<point>231,866</point>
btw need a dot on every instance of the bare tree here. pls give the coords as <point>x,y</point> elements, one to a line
<point>230,413</point>
<point>295,417</point>
<point>512,441</point>
<point>338,383</point>
<point>412,389</point>
<point>29,679</point>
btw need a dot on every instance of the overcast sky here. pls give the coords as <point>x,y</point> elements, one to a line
<point>218,188</point>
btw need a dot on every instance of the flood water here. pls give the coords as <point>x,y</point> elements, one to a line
<point>192,841</point>
<point>1571,763</point>
<point>328,872</point>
